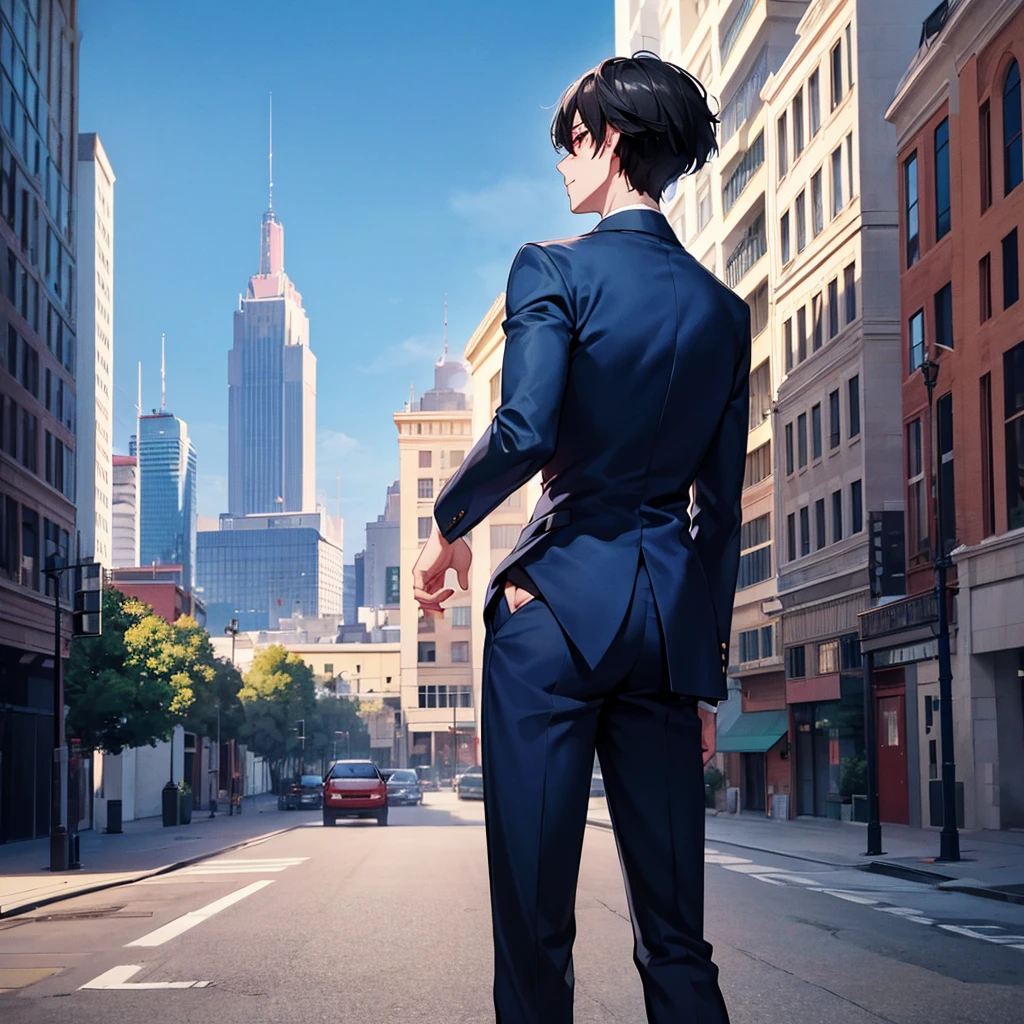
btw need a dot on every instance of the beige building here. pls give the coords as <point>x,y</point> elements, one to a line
<point>434,435</point>
<point>95,380</point>
<point>720,215</point>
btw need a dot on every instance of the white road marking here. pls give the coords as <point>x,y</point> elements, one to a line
<point>722,858</point>
<point>190,920</point>
<point>769,879</point>
<point>116,979</point>
<point>843,895</point>
<point>238,865</point>
<point>751,869</point>
<point>901,911</point>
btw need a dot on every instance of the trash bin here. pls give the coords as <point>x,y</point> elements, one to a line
<point>171,802</point>
<point>74,860</point>
<point>114,818</point>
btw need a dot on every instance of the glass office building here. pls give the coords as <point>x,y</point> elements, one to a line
<point>167,494</point>
<point>260,569</point>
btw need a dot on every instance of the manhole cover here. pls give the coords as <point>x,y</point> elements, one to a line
<point>93,913</point>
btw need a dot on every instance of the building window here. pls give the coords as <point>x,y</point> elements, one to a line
<point>426,651</point>
<point>425,487</point>
<point>703,206</point>
<point>814,102</point>
<point>837,180</point>
<point>755,552</point>
<point>849,652</point>
<point>748,641</point>
<point>912,227</point>
<point>988,492</point>
<point>789,449</point>
<point>514,500</point>
<point>495,386</point>
<point>985,154</point>
<point>801,334</point>
<point>916,340</point>
<point>460,651</point>
<point>795,667</point>
<point>426,459</point>
<point>849,164</point>
<point>819,524</point>
<point>504,536</point>
<point>759,465</point>
<point>798,123</point>
<point>944,315</point>
<point>801,222</point>
<point>836,64</point>
<point>805,531</point>
<point>760,406</point>
<point>816,431</point>
<point>853,395</point>
<point>787,336</point>
<point>424,525</point>
<point>783,148</point>
<point>917,503</point>
<point>850,292</point>
<point>837,516</point>
<point>828,657</point>
<point>461,616</point>
<point>784,237</point>
<point>758,310</point>
<point>1011,274</point>
<point>817,331</point>
<point>849,57</point>
<point>791,537</point>
<point>833,419</point>
<point>455,457</point>
<point>1013,383</point>
<point>833,307</point>
<point>942,201</point>
<point>856,507</point>
<point>947,483</point>
<point>985,288</point>
<point>1012,167</point>
<point>801,440</point>
<point>817,209</point>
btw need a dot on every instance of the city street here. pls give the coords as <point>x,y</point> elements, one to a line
<point>367,924</point>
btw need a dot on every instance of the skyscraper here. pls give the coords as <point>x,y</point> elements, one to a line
<point>125,512</point>
<point>95,377</point>
<point>271,390</point>
<point>167,494</point>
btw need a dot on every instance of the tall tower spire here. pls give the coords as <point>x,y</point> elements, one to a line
<point>163,377</point>
<point>271,207</point>
<point>271,230</point>
<point>138,400</point>
<point>446,323</point>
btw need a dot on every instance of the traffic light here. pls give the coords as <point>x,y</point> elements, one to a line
<point>300,729</point>
<point>87,617</point>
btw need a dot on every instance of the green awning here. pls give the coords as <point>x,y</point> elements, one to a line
<point>754,732</point>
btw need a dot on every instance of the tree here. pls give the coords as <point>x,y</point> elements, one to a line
<point>132,685</point>
<point>333,714</point>
<point>279,689</point>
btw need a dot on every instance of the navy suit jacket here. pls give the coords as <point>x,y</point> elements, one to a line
<point>624,382</point>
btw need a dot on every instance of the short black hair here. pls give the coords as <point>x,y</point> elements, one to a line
<point>661,110</point>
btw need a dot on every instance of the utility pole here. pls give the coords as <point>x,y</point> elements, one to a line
<point>949,839</point>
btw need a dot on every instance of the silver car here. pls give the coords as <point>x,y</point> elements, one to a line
<point>404,787</point>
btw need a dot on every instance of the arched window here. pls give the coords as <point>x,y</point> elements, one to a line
<point>1012,164</point>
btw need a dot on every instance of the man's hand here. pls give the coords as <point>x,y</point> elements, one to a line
<point>436,558</point>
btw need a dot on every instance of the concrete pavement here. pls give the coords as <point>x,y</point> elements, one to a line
<point>391,925</point>
<point>144,848</point>
<point>991,864</point>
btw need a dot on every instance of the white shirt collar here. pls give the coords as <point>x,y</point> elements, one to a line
<point>633,206</point>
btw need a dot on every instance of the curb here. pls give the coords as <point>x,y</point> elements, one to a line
<point>148,873</point>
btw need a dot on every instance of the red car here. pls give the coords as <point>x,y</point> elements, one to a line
<point>355,789</point>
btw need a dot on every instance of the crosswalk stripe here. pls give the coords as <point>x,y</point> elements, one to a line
<point>751,869</point>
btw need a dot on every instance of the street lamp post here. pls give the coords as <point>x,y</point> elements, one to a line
<point>949,840</point>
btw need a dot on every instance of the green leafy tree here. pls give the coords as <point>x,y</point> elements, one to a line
<point>332,715</point>
<point>132,685</point>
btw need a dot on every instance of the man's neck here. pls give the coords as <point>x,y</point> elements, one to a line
<point>619,199</point>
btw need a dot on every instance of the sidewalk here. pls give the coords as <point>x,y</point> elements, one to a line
<point>992,863</point>
<point>144,848</point>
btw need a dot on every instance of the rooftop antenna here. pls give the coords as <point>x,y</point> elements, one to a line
<point>412,393</point>
<point>446,323</point>
<point>339,507</point>
<point>163,377</point>
<point>138,400</point>
<point>271,151</point>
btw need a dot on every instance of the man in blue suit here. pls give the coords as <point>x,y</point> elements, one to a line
<point>625,384</point>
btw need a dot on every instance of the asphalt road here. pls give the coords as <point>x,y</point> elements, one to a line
<point>374,925</point>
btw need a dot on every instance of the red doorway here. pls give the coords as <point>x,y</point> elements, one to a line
<point>891,726</point>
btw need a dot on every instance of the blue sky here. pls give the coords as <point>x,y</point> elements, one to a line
<point>411,159</point>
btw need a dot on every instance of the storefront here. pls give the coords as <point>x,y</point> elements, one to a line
<point>761,739</point>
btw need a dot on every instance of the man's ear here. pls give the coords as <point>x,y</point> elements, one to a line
<point>611,138</point>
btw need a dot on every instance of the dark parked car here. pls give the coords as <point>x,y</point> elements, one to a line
<point>304,792</point>
<point>471,784</point>
<point>428,778</point>
<point>404,787</point>
<point>355,789</point>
